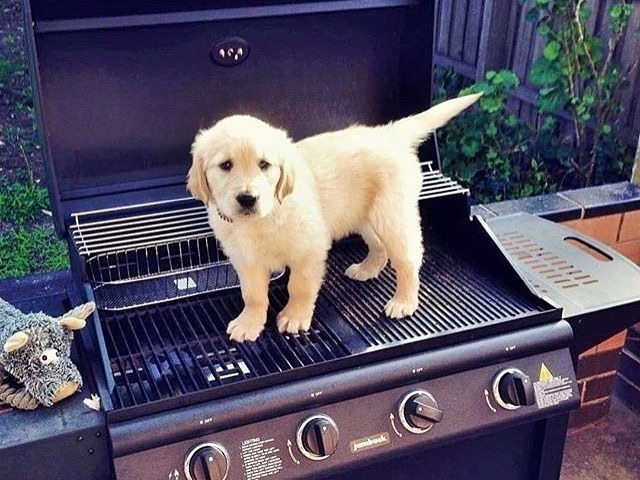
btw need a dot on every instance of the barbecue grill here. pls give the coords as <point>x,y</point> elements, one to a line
<point>483,367</point>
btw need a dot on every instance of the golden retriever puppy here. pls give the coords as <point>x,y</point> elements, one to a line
<point>274,203</point>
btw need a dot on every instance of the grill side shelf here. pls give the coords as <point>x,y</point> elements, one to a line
<point>597,287</point>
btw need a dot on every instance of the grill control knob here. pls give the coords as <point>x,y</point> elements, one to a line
<point>317,437</point>
<point>513,389</point>
<point>208,461</point>
<point>419,411</point>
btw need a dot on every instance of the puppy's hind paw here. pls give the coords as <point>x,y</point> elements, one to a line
<point>242,330</point>
<point>400,308</point>
<point>290,321</point>
<point>362,271</point>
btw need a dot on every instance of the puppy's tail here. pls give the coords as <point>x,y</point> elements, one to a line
<point>416,128</point>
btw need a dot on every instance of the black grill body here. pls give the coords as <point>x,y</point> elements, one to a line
<point>121,89</point>
<point>189,335</point>
<point>175,352</point>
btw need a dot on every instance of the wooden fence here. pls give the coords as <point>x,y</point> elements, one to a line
<point>474,36</point>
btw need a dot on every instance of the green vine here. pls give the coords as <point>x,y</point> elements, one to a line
<point>491,150</point>
<point>573,142</point>
<point>577,74</point>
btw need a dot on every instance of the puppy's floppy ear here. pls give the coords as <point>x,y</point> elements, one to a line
<point>287,174</point>
<point>197,179</point>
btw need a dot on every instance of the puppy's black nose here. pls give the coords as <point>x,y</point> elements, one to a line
<point>246,200</point>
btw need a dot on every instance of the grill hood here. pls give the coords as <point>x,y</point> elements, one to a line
<point>122,87</point>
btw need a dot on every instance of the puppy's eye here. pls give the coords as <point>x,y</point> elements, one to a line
<point>44,358</point>
<point>264,165</point>
<point>226,165</point>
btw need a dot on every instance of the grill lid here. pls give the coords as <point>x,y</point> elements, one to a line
<point>122,87</point>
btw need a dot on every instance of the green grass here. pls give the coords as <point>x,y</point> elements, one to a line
<point>7,69</point>
<point>28,243</point>
<point>21,203</point>
<point>24,251</point>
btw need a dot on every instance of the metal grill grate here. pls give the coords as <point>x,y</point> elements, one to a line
<point>435,184</point>
<point>151,253</point>
<point>172,350</point>
<point>453,297</point>
<point>180,348</point>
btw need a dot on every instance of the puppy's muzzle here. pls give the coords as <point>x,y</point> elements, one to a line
<point>247,201</point>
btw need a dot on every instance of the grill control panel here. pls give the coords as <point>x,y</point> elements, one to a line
<point>326,437</point>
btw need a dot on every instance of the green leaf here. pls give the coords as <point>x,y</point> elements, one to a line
<point>585,13</point>
<point>589,98</point>
<point>543,72</point>
<point>606,129</point>
<point>543,29</point>
<point>511,121</point>
<point>470,148</point>
<point>507,78</point>
<point>552,101</point>
<point>532,15</point>
<point>616,11</point>
<point>549,122</point>
<point>466,172</point>
<point>552,50</point>
<point>547,91</point>
<point>490,104</point>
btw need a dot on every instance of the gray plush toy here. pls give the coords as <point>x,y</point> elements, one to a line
<point>35,367</point>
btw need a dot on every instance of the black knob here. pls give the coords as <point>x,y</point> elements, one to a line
<point>209,461</point>
<point>318,437</point>
<point>419,411</point>
<point>513,389</point>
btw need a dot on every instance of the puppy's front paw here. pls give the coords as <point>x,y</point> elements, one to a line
<point>397,308</point>
<point>294,320</point>
<point>363,271</point>
<point>246,327</point>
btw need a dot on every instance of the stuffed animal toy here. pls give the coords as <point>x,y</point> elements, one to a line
<point>35,367</point>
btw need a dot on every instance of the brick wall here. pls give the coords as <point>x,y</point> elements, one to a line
<point>620,231</point>
<point>597,368</point>
<point>628,382</point>
<point>596,376</point>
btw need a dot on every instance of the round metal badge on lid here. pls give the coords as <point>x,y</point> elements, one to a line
<point>230,51</point>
